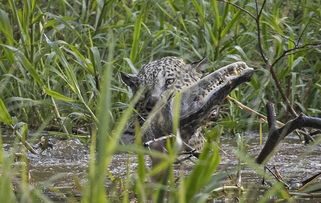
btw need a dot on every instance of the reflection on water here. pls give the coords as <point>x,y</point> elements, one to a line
<point>69,159</point>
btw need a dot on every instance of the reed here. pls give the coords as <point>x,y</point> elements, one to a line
<point>60,63</point>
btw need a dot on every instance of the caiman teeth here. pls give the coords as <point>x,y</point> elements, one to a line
<point>226,74</point>
<point>236,72</point>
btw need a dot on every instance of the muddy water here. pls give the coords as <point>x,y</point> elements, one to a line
<point>65,166</point>
<point>294,160</point>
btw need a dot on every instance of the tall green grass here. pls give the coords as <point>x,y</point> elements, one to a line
<point>60,64</point>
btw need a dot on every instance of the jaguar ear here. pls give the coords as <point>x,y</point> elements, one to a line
<point>200,66</point>
<point>130,80</point>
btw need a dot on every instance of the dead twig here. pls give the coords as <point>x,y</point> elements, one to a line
<point>263,117</point>
<point>276,176</point>
<point>246,108</point>
<point>278,134</point>
<point>271,119</point>
<point>308,181</point>
<point>270,65</point>
<point>148,143</point>
<point>295,50</point>
<point>305,195</point>
<point>225,188</point>
<point>288,52</point>
<point>257,20</point>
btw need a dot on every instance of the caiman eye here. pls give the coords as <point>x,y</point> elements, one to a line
<point>169,81</point>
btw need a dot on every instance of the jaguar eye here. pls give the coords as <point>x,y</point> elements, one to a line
<point>169,81</point>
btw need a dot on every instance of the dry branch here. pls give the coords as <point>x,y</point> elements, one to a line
<point>278,134</point>
<point>268,65</point>
<point>246,108</point>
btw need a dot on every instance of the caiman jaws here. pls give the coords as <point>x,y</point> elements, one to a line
<point>197,102</point>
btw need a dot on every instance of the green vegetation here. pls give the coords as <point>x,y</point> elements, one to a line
<point>60,62</point>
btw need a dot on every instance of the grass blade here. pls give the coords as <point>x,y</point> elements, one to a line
<point>4,114</point>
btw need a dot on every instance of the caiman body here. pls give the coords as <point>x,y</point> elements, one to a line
<point>199,101</point>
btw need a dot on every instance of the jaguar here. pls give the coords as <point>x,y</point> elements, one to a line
<point>200,101</point>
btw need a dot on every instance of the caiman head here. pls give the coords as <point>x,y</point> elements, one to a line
<point>198,102</point>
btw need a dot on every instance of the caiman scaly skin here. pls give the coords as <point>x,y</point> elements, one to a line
<point>200,96</point>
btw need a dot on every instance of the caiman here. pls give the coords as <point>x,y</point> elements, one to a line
<point>200,96</point>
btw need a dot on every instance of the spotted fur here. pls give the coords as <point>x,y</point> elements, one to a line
<point>200,101</point>
<point>168,74</point>
<point>158,78</point>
